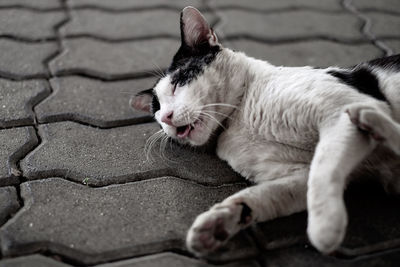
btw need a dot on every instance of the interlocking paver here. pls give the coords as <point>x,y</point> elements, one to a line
<point>389,5</point>
<point>122,5</point>
<point>314,53</point>
<point>17,100</point>
<point>299,256</point>
<point>91,101</point>
<point>105,156</point>
<point>29,24</point>
<point>14,143</point>
<point>98,224</point>
<point>394,45</point>
<point>277,4</point>
<point>8,203</point>
<point>32,261</point>
<point>83,55</point>
<point>46,4</point>
<point>140,24</point>
<point>290,25</point>
<point>382,24</point>
<point>24,59</point>
<point>173,260</point>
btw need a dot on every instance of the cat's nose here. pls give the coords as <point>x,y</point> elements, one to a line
<point>167,118</point>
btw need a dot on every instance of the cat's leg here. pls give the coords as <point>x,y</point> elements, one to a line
<point>376,120</point>
<point>341,148</point>
<point>262,202</point>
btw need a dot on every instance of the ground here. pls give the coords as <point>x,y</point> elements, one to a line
<point>76,188</point>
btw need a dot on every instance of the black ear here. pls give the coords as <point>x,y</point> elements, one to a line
<point>143,100</point>
<point>195,30</point>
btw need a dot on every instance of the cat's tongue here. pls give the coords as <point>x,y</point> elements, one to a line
<point>183,131</point>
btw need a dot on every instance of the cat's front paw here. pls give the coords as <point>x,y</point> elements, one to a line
<point>212,229</point>
<point>327,227</point>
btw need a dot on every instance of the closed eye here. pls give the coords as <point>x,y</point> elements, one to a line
<point>173,90</point>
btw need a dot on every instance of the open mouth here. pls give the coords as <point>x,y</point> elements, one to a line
<point>185,130</point>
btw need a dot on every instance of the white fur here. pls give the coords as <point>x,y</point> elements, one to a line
<point>287,128</point>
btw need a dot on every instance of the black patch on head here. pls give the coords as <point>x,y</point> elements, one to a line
<point>362,79</point>
<point>246,213</point>
<point>391,62</point>
<point>188,63</point>
<point>155,104</point>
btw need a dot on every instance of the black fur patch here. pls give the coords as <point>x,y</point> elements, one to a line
<point>246,213</point>
<point>362,79</point>
<point>188,62</point>
<point>391,62</point>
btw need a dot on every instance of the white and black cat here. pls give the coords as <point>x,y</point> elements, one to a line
<point>299,133</point>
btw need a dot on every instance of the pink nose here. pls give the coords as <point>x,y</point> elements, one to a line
<point>167,118</point>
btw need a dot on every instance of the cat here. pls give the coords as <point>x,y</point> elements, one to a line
<point>299,133</point>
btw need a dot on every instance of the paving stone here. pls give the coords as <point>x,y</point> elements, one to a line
<point>373,224</point>
<point>386,5</point>
<point>42,4</point>
<point>87,56</point>
<point>291,25</point>
<point>14,143</point>
<point>8,203</point>
<point>314,53</point>
<point>103,104</point>
<point>124,26</point>
<point>29,24</point>
<point>307,257</point>
<point>105,156</point>
<point>173,260</point>
<point>24,59</point>
<point>32,261</point>
<point>95,225</point>
<point>384,25</point>
<point>277,4</point>
<point>394,45</point>
<point>122,5</point>
<point>17,100</point>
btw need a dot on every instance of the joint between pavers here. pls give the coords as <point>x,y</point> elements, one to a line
<point>121,40</point>
<point>31,8</point>
<point>366,27</point>
<point>24,39</point>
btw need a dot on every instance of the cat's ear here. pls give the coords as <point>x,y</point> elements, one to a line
<point>195,30</point>
<point>142,101</point>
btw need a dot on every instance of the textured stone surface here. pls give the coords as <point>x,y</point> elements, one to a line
<point>387,5</point>
<point>100,224</point>
<point>277,4</point>
<point>87,56</point>
<point>126,25</point>
<point>300,256</point>
<point>17,100</point>
<point>394,45</point>
<point>173,260</point>
<point>14,144</point>
<point>91,101</point>
<point>42,4</point>
<point>122,5</point>
<point>290,25</point>
<point>8,203</point>
<point>32,261</point>
<point>382,25</point>
<point>24,59</point>
<point>313,53</point>
<point>29,24</point>
<point>116,155</point>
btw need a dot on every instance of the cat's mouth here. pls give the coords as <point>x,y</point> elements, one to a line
<point>185,130</point>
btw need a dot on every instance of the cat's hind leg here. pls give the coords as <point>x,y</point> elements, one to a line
<point>264,201</point>
<point>376,120</point>
<point>341,148</point>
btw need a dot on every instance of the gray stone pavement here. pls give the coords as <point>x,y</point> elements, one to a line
<point>77,188</point>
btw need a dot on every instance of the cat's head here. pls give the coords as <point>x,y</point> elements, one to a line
<point>186,101</point>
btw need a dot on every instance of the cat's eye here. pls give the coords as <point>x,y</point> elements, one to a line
<point>173,90</point>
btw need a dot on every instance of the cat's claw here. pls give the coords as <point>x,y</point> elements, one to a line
<point>212,229</point>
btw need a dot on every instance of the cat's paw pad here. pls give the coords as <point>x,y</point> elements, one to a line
<point>367,119</point>
<point>212,229</point>
<point>326,230</point>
